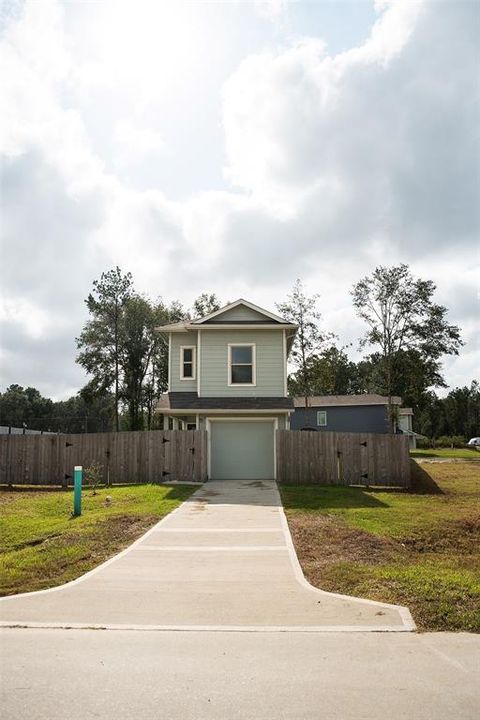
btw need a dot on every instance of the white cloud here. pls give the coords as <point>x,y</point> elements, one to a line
<point>135,141</point>
<point>274,10</point>
<point>32,319</point>
<point>340,162</point>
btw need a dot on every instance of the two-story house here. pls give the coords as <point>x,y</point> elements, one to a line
<point>228,375</point>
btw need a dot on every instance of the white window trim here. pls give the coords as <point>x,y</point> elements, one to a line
<point>323,412</point>
<point>194,362</point>
<point>254,365</point>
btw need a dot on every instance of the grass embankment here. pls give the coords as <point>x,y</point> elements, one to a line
<point>462,453</point>
<point>420,549</point>
<point>41,545</point>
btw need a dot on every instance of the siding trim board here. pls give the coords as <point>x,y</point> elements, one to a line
<point>199,362</point>
<point>169,362</point>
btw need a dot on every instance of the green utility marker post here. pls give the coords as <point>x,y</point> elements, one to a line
<point>77,490</point>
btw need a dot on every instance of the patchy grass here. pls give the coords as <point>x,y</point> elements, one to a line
<point>42,545</point>
<point>420,548</point>
<point>462,453</point>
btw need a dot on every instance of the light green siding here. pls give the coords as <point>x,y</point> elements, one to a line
<point>214,363</point>
<point>177,340</point>
<point>241,312</point>
<point>242,450</point>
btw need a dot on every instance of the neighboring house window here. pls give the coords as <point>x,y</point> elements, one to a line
<point>241,365</point>
<point>322,418</point>
<point>187,363</point>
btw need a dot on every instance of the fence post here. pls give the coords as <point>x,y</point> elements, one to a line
<point>77,490</point>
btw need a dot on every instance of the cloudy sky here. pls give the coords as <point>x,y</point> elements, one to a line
<point>232,147</point>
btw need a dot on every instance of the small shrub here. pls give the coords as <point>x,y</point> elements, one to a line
<point>93,476</point>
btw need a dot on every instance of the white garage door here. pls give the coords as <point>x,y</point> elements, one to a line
<point>242,450</point>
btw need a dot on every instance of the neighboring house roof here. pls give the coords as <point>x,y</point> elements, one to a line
<point>191,401</point>
<point>345,400</point>
<point>405,411</point>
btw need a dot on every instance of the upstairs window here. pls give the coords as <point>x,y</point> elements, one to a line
<point>187,363</point>
<point>322,418</point>
<point>241,365</point>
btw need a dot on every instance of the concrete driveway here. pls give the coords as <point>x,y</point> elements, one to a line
<point>224,560</point>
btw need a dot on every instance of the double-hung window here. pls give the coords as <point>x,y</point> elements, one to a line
<point>322,418</point>
<point>187,363</point>
<point>241,364</point>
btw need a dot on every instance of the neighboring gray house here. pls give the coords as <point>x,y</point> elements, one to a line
<point>343,413</point>
<point>228,375</point>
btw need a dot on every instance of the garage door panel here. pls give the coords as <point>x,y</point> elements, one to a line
<point>242,450</point>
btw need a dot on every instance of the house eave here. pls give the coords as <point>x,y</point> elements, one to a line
<point>189,327</point>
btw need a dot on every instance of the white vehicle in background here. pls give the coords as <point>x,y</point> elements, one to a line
<point>474,443</point>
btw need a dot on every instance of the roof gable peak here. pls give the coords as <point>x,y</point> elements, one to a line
<point>269,316</point>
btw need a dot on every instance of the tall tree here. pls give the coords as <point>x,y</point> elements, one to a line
<point>301,309</point>
<point>462,411</point>
<point>205,304</point>
<point>402,316</point>
<point>21,406</point>
<point>137,348</point>
<point>100,341</point>
<point>331,373</point>
<point>156,379</point>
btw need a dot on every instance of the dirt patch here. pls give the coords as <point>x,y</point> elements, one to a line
<point>326,539</point>
<point>451,536</point>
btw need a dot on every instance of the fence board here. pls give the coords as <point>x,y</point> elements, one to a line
<point>330,458</point>
<point>125,457</point>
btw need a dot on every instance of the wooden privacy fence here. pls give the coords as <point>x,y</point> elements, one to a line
<point>336,458</point>
<point>125,457</point>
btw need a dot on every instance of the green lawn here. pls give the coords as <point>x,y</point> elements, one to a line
<point>41,545</point>
<point>464,453</point>
<point>420,549</point>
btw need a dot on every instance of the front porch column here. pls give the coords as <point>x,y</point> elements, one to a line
<point>175,423</point>
<point>165,422</point>
<point>197,422</point>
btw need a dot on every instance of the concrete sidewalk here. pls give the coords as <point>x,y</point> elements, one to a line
<point>81,674</point>
<point>224,560</point>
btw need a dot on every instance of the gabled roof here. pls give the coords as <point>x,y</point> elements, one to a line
<point>266,313</point>
<point>345,400</point>
<point>254,317</point>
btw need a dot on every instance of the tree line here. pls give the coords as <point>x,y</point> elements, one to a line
<point>407,334</point>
